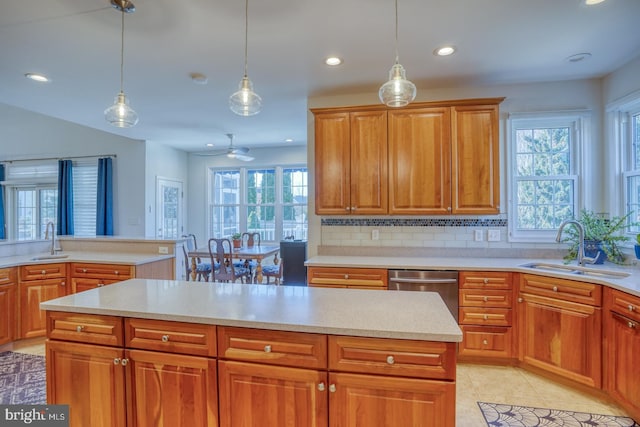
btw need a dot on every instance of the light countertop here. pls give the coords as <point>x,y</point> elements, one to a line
<point>84,256</point>
<point>366,313</point>
<point>630,284</point>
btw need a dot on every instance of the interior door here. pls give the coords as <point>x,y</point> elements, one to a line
<point>169,201</point>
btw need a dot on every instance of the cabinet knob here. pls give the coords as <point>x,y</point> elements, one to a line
<point>116,272</point>
<point>485,342</point>
<point>165,338</point>
<point>520,299</point>
<point>63,283</point>
<point>486,317</point>
<point>321,387</point>
<point>84,270</point>
<point>100,285</point>
<point>79,328</point>
<point>43,272</point>
<point>347,208</point>
<point>485,281</point>
<point>391,360</point>
<point>346,276</point>
<point>485,299</point>
<point>116,361</point>
<point>124,362</point>
<point>631,307</point>
<point>267,348</point>
<point>555,289</point>
<point>332,388</point>
<point>631,325</point>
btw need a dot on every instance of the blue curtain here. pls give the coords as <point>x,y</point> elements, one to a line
<point>104,211</point>
<point>65,198</point>
<point>3,233</point>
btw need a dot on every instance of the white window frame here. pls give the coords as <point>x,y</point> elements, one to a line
<point>579,121</point>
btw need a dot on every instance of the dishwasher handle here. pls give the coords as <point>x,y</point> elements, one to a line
<point>401,280</point>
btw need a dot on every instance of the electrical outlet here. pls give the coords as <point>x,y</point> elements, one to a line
<point>493,235</point>
<point>375,234</point>
<point>163,250</point>
<point>477,235</point>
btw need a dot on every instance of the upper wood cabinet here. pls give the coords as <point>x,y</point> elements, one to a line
<point>426,159</point>
<point>351,162</point>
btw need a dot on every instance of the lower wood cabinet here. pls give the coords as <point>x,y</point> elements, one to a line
<point>560,335</point>
<point>622,347</point>
<point>38,283</point>
<point>8,320</point>
<point>341,277</point>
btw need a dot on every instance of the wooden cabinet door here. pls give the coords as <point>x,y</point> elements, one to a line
<point>561,337</point>
<point>368,162</point>
<point>420,161</point>
<point>32,293</point>
<point>257,395</point>
<point>8,319</point>
<point>88,378</point>
<point>332,164</point>
<point>622,370</point>
<point>380,401</point>
<point>171,390</point>
<point>475,164</point>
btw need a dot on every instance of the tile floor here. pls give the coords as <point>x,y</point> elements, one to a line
<point>496,384</point>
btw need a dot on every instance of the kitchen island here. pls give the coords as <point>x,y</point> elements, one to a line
<point>155,352</point>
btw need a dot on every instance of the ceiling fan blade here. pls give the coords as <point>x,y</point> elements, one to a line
<point>238,150</point>
<point>244,157</point>
<point>209,153</point>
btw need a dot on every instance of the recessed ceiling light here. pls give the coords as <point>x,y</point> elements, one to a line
<point>209,145</point>
<point>444,51</point>
<point>578,57</point>
<point>593,2</point>
<point>333,61</point>
<point>37,77</point>
<point>288,140</point>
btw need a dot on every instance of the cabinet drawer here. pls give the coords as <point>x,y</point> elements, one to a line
<point>86,328</point>
<point>623,303</point>
<point>296,349</point>
<point>486,298</point>
<point>7,276</point>
<point>102,271</point>
<point>486,341</point>
<point>485,316</point>
<point>171,337</point>
<point>567,290</point>
<point>79,284</point>
<point>406,358</point>
<point>485,280</point>
<point>43,271</point>
<point>351,277</point>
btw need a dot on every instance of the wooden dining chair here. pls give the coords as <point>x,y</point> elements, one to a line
<point>224,269</point>
<point>250,240</point>
<point>203,269</point>
<point>273,270</point>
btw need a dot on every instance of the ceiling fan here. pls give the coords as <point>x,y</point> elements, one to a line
<point>232,152</point>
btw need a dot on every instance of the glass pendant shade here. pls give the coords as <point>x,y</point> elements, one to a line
<point>120,114</point>
<point>398,91</point>
<point>245,102</point>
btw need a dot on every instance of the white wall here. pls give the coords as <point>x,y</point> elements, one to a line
<point>24,135</point>
<point>198,166</point>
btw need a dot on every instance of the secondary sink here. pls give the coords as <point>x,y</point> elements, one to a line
<point>576,269</point>
<point>45,257</point>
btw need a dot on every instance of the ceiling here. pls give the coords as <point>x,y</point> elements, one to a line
<point>77,44</point>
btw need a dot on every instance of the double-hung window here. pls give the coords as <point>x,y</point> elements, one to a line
<point>543,172</point>
<point>628,131</point>
<point>271,201</point>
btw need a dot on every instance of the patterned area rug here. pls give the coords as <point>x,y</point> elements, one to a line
<point>22,379</point>
<point>499,415</point>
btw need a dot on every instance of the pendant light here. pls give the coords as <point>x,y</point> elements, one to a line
<point>120,114</point>
<point>398,91</point>
<point>245,102</point>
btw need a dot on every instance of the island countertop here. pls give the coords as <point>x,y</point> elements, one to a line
<point>365,313</point>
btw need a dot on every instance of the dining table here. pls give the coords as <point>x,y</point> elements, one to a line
<point>247,253</point>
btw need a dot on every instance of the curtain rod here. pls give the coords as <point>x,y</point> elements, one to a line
<point>59,158</point>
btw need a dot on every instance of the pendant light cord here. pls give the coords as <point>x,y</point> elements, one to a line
<point>122,52</point>
<point>246,34</point>
<point>397,56</point>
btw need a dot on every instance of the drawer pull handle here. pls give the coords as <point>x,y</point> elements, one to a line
<point>485,299</point>
<point>116,361</point>
<point>124,362</point>
<point>486,281</point>
<point>321,387</point>
<point>79,328</point>
<point>116,272</point>
<point>165,338</point>
<point>84,270</point>
<point>332,388</point>
<point>555,289</point>
<point>391,360</point>
<point>100,285</point>
<point>485,342</point>
<point>346,276</point>
<point>631,307</point>
<point>267,348</point>
<point>486,317</point>
<point>43,272</point>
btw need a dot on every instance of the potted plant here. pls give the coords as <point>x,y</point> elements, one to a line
<point>600,235</point>
<point>237,240</point>
<point>637,246</point>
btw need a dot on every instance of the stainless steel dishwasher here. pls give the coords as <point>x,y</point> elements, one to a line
<point>441,281</point>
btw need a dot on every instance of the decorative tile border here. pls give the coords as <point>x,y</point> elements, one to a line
<point>415,222</point>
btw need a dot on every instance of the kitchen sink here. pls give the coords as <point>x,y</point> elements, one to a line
<point>576,269</point>
<point>46,257</point>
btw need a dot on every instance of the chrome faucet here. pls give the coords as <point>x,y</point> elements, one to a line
<point>582,259</point>
<point>53,236</point>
